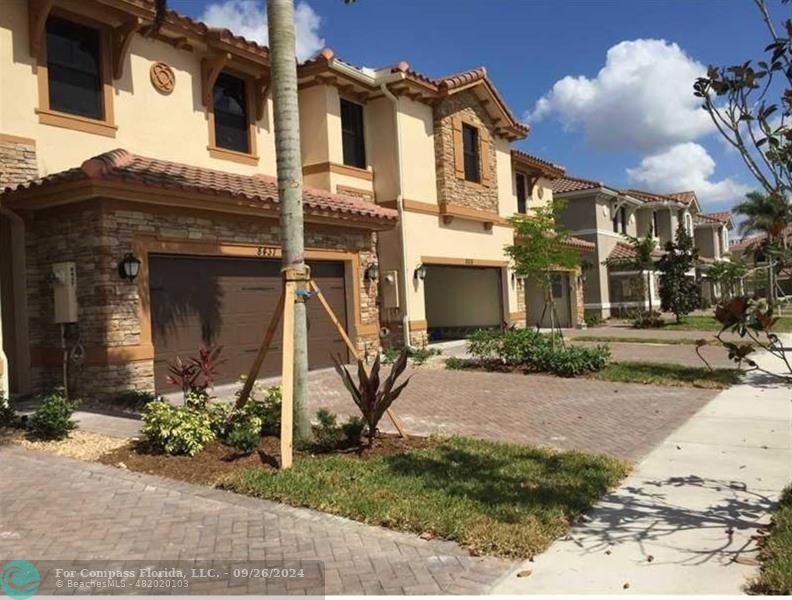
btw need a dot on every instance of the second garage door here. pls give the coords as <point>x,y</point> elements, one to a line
<point>229,302</point>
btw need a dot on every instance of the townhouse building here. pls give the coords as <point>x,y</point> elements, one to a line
<point>138,213</point>
<point>604,215</point>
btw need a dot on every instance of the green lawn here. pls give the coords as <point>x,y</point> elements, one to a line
<point>638,340</point>
<point>697,323</point>
<point>668,374</point>
<point>776,555</point>
<point>494,498</point>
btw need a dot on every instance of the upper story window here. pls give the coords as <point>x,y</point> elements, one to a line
<point>470,150</point>
<point>74,69</point>
<point>655,224</point>
<point>521,193</point>
<point>352,134</point>
<point>231,123</point>
<point>620,221</point>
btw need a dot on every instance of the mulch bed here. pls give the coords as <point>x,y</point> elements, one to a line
<point>217,461</point>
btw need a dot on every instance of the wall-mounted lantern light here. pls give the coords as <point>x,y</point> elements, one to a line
<point>420,273</point>
<point>371,273</point>
<point>129,267</point>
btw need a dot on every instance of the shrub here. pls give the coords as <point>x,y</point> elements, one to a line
<point>133,399</point>
<point>593,319</point>
<point>220,414</point>
<point>420,355</point>
<point>389,355</point>
<point>574,360</point>
<point>523,346</point>
<point>198,373</point>
<point>245,434</point>
<point>353,430</point>
<point>455,363</point>
<point>327,434</point>
<point>484,344</point>
<point>267,408</point>
<point>177,429</point>
<point>53,418</point>
<point>372,398</point>
<point>648,320</point>
<point>8,417</point>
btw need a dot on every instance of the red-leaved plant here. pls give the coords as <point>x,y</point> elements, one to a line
<point>198,373</point>
<point>372,396</point>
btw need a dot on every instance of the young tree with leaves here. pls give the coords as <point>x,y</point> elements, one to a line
<point>680,293</point>
<point>542,247</point>
<point>727,274</point>
<point>643,260</point>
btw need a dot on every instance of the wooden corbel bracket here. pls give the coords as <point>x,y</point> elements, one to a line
<point>38,11</point>
<point>210,69</point>
<point>121,38</point>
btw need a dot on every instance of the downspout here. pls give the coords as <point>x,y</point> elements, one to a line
<point>400,208</point>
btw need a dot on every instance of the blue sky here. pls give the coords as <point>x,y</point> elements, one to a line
<point>634,125</point>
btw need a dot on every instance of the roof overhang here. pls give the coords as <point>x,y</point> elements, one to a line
<point>74,192</point>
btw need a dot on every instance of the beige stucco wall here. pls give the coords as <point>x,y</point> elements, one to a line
<point>418,151</point>
<point>313,125</point>
<point>171,127</point>
<point>382,152</point>
<point>507,194</point>
<point>707,242</point>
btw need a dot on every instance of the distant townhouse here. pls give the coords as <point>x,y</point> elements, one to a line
<point>604,215</point>
<point>749,250</point>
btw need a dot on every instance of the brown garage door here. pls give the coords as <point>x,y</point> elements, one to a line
<point>229,302</point>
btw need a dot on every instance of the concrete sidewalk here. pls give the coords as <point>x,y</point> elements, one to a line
<point>683,522</point>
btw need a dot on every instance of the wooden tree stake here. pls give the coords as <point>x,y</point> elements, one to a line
<point>287,380</point>
<point>315,288</point>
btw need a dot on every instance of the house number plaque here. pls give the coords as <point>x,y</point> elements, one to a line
<point>268,251</point>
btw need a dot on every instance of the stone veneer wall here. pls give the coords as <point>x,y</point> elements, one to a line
<point>17,160</point>
<point>450,188</point>
<point>96,236</point>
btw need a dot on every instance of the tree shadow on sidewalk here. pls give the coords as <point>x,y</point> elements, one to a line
<point>645,515</point>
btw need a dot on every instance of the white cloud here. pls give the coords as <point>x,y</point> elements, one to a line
<point>686,166</point>
<point>641,99</point>
<point>248,18</point>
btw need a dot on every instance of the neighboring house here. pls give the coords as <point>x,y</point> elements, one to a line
<point>712,241</point>
<point>118,147</point>
<point>603,215</point>
<point>756,281</point>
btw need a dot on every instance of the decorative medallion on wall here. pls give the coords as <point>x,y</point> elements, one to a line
<point>162,77</point>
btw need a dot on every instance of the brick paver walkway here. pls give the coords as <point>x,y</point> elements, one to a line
<point>61,509</point>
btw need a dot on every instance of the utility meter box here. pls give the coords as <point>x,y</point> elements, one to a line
<point>390,289</point>
<point>64,286</point>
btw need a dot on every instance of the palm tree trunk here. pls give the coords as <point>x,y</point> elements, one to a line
<point>280,23</point>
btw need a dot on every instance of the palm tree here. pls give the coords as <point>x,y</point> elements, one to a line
<point>764,214</point>
<point>768,215</point>
<point>283,62</point>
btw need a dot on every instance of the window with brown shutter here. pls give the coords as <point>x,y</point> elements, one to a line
<point>470,152</point>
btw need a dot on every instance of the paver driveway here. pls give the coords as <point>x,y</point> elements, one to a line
<point>624,420</point>
<point>62,509</point>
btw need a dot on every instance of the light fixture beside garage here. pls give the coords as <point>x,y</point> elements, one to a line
<point>371,273</point>
<point>129,267</point>
<point>420,273</point>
